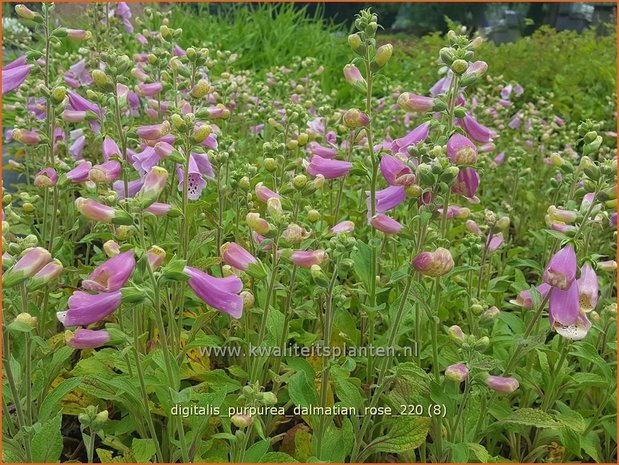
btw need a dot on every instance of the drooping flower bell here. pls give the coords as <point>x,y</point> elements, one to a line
<point>561,269</point>
<point>419,134</point>
<point>524,298</point>
<point>307,258</point>
<point>588,288</point>
<point>45,275</point>
<point>343,227</point>
<point>112,274</point>
<point>219,293</point>
<point>467,184</point>
<point>45,178</point>
<point>563,307</point>
<point>387,198</point>
<point>28,265</point>
<point>86,338</point>
<point>154,131</point>
<point>106,172</point>
<point>238,257</point>
<point>476,130</point>
<point>395,171</point>
<point>14,74</point>
<point>85,309</point>
<point>385,224</point>
<point>154,184</point>
<point>80,172</point>
<point>415,103</point>
<point>461,150</point>
<point>330,169</point>
<point>96,211</point>
<point>502,383</point>
<point>264,194</point>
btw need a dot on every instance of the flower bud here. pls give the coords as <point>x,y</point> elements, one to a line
<point>437,263</point>
<point>111,248</point>
<point>459,66</point>
<point>241,421</point>
<point>354,118</point>
<point>502,384</point>
<point>257,224</point>
<point>354,42</point>
<point>26,319</point>
<point>458,372</point>
<point>383,55</point>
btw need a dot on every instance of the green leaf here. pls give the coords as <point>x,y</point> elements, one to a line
<point>301,391</point>
<point>51,401</point>
<point>277,457</point>
<point>531,417</point>
<point>47,442</point>
<point>479,451</point>
<point>362,256</point>
<point>143,449</point>
<point>346,391</point>
<point>338,442</point>
<point>405,434</point>
<point>257,451</point>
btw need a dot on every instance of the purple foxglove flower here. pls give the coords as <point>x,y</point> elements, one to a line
<point>343,227</point>
<point>178,51</point>
<point>78,34</point>
<point>499,159</point>
<point>27,137</point>
<point>96,211</point>
<point>576,331</point>
<point>163,149</point>
<point>415,103</point>
<point>112,274</point>
<point>154,131</point>
<point>442,85</point>
<point>159,209</point>
<point>475,130</point>
<point>506,91</point>
<point>154,183</point>
<point>473,227</point>
<point>330,169</point>
<point>502,383</point>
<point>518,90</point>
<point>124,12</point>
<point>28,265</point>
<point>220,293</point>
<point>387,198</point>
<point>196,182</point>
<point>319,150</point>
<point>236,256</point>
<point>461,150</point>
<point>458,372</point>
<point>19,61</point>
<point>562,215</point>
<point>613,219</point>
<point>353,76</point>
<point>495,242</point>
<point>45,178</point>
<point>466,184</point>
<point>437,263</point>
<point>156,257</point>
<point>106,172</point>
<point>587,288</point>
<point>307,258</point>
<point>395,171</point>
<point>45,275</point>
<point>148,90</point>
<point>563,307</point>
<point>79,103</point>
<point>295,234</point>
<point>454,211</point>
<point>134,187</point>
<point>110,149</point>
<point>144,161</point>
<point>204,164</point>
<point>524,297</point>
<point>85,309</point>
<point>87,338</point>
<point>14,76</point>
<point>79,174</point>
<point>77,147</point>
<point>561,269</point>
<point>73,116</point>
<point>419,134</point>
<point>385,224</point>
